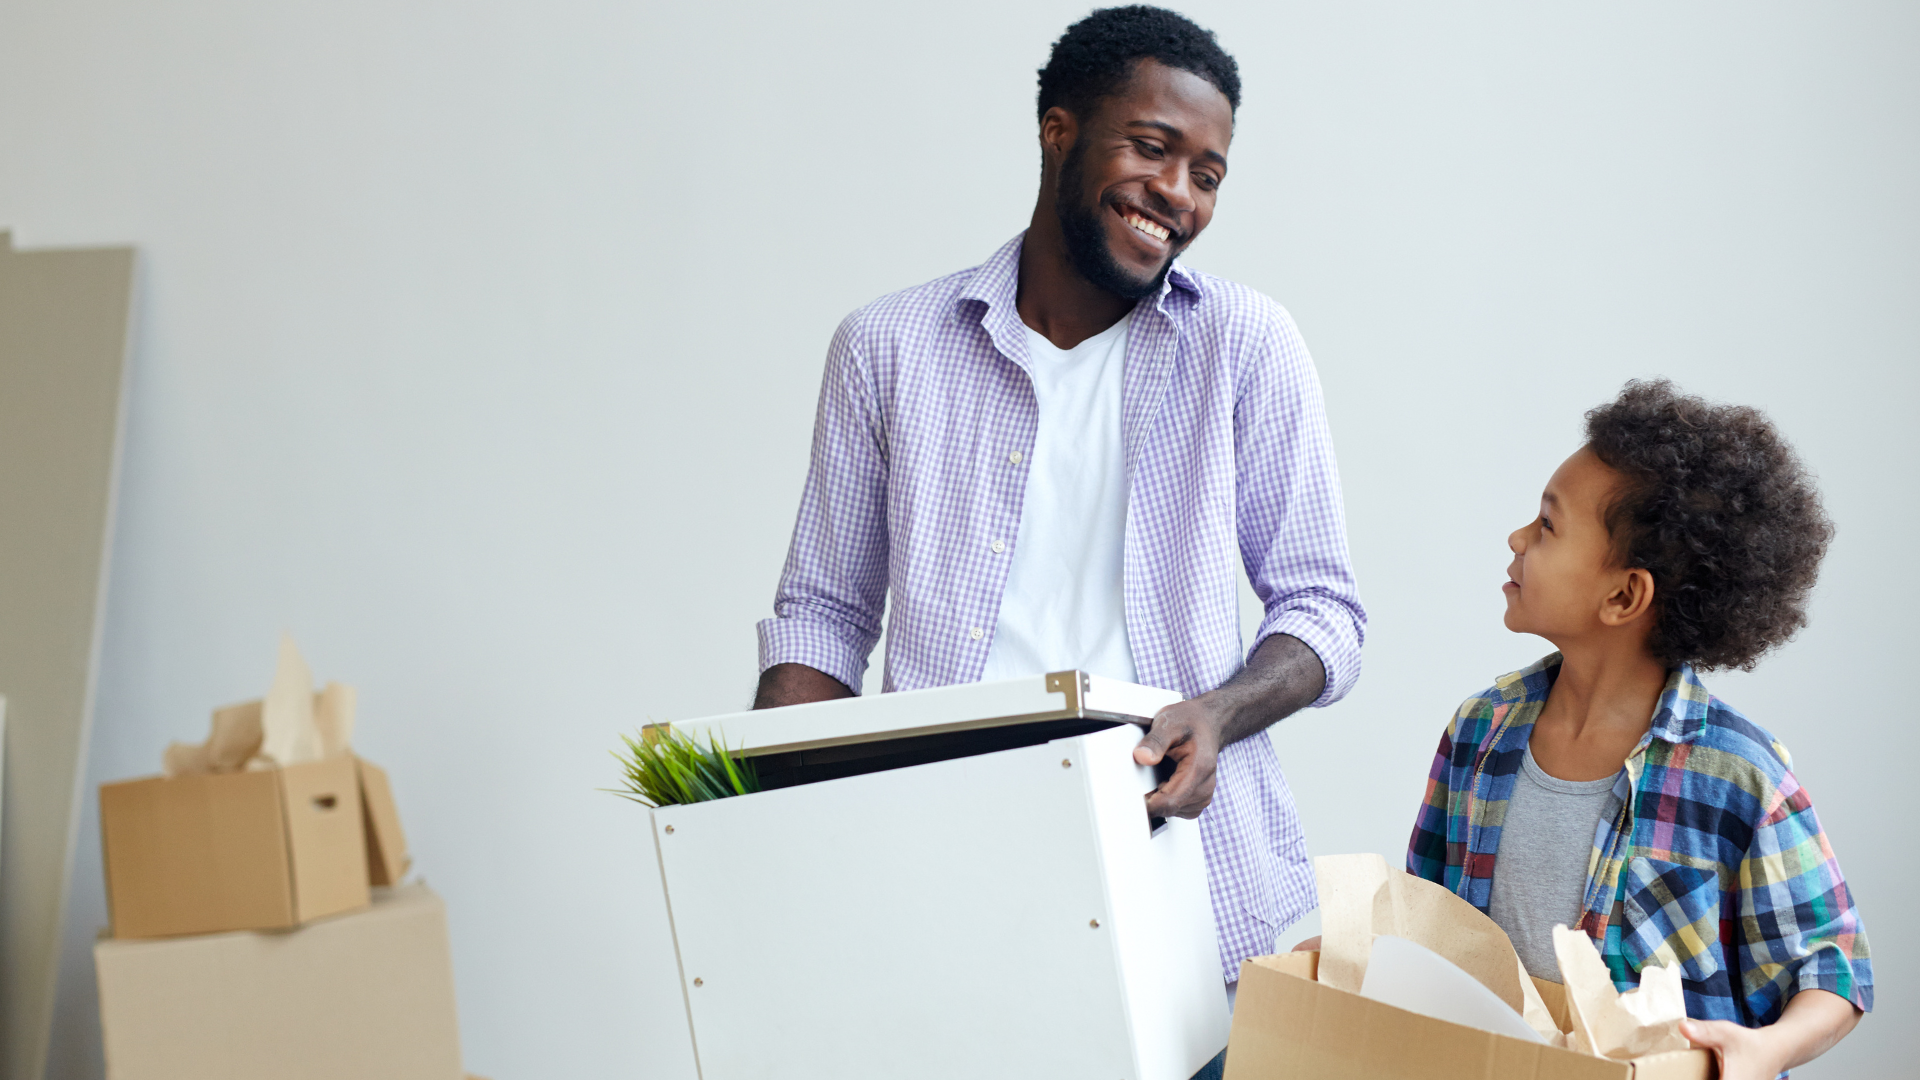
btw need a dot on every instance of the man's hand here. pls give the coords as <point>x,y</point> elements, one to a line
<point>1282,676</point>
<point>1187,733</point>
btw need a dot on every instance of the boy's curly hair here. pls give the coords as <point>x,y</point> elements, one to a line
<point>1717,507</point>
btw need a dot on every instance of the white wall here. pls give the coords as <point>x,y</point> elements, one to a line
<point>479,345</point>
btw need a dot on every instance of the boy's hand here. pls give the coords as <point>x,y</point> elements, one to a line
<point>1745,1053</point>
<point>1813,1021</point>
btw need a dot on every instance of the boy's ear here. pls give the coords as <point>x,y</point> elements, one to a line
<point>1631,599</point>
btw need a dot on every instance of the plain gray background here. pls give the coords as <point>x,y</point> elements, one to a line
<point>480,340</point>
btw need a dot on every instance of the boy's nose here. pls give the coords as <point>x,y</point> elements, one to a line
<point>1517,541</point>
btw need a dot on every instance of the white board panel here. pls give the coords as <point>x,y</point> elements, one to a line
<point>1008,915</point>
<point>933,922</point>
<point>63,339</point>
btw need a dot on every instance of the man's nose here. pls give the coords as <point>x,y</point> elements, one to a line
<point>1174,188</point>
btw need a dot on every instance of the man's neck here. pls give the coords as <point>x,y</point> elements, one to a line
<point>1054,298</point>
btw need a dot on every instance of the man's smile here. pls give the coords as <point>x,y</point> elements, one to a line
<point>1143,224</point>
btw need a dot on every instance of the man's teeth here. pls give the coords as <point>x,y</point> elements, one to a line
<point>1148,227</point>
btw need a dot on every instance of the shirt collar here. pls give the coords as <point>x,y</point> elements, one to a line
<point>1681,715</point>
<point>996,282</point>
<point>1678,717</point>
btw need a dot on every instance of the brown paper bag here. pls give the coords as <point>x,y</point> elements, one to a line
<point>1360,896</point>
<point>1607,1023</point>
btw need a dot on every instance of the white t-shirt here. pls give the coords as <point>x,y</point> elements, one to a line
<point>1065,602</point>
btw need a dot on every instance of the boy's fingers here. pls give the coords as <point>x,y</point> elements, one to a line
<point>1711,1034</point>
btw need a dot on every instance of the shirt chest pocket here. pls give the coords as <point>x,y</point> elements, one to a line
<point>1672,915</point>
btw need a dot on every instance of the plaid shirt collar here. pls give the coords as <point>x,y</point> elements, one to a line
<point>1678,717</point>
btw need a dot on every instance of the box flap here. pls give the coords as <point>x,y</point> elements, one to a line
<point>387,858</point>
<point>972,706</point>
<point>326,834</point>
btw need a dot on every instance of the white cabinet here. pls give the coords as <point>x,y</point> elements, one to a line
<point>1008,913</point>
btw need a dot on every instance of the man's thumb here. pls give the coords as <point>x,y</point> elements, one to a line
<point>1152,748</point>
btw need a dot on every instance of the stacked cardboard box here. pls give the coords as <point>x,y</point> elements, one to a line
<point>367,995</point>
<point>259,924</point>
<point>260,849</point>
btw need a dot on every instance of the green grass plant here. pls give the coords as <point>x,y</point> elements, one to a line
<point>664,767</point>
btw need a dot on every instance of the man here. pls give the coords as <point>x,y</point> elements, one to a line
<point>1052,460</point>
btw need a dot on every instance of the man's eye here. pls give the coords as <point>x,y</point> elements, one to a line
<point>1206,181</point>
<point>1149,149</point>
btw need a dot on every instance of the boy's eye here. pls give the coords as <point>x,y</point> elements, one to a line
<point>1546,523</point>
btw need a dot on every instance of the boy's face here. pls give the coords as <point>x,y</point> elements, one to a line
<point>1564,584</point>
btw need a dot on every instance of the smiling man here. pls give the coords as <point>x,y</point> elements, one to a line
<point>1053,460</point>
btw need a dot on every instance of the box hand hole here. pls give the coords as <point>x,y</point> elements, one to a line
<point>325,802</point>
<point>1162,772</point>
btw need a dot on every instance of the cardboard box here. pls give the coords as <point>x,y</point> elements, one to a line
<point>1288,1026</point>
<point>251,850</point>
<point>366,996</point>
<point>946,884</point>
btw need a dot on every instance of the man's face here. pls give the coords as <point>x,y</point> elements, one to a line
<point>1139,183</point>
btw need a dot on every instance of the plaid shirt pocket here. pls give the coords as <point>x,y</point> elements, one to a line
<point>1672,915</point>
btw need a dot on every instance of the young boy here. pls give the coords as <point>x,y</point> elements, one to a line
<point>1605,789</point>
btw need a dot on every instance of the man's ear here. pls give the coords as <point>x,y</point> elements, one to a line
<point>1058,130</point>
<point>1631,599</point>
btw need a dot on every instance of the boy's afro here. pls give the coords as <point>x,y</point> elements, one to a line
<point>1095,57</point>
<point>1717,507</point>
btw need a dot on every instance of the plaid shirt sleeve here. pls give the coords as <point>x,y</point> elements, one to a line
<point>1427,850</point>
<point>832,592</point>
<point>1799,928</point>
<point>1292,520</point>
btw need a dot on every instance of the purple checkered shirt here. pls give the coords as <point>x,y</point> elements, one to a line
<point>926,415</point>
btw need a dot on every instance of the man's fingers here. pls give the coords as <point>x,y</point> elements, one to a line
<point>1154,745</point>
<point>1185,793</point>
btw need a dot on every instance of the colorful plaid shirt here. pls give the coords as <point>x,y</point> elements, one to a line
<point>912,506</point>
<point>1710,856</point>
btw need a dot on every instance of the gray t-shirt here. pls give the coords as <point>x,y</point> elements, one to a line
<point>1540,875</point>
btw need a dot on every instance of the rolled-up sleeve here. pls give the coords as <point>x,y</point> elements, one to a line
<point>1799,927</point>
<point>1292,519</point>
<point>832,591</point>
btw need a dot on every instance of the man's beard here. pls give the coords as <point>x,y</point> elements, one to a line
<point>1086,235</point>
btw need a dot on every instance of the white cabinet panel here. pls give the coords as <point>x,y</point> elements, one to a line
<point>1006,915</point>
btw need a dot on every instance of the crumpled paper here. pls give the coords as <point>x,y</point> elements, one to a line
<point>1610,1024</point>
<point>1360,896</point>
<point>291,725</point>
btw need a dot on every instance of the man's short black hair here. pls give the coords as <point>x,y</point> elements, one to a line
<point>1717,507</point>
<point>1095,57</point>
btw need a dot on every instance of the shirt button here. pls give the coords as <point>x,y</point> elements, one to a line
<point>977,634</point>
<point>999,546</point>
<point>1014,458</point>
